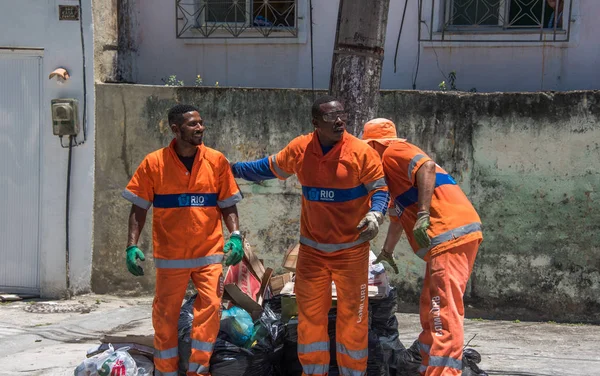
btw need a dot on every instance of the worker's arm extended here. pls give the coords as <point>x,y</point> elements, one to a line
<point>253,171</point>
<point>137,220</point>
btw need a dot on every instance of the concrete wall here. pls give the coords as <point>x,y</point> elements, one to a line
<point>529,162</point>
<point>32,24</point>
<point>156,53</point>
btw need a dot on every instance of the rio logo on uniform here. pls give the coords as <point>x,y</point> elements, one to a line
<point>321,195</point>
<point>191,200</point>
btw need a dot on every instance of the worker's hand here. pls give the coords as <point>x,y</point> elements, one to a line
<point>371,223</point>
<point>387,257</point>
<point>234,245</point>
<point>134,254</point>
<point>420,229</point>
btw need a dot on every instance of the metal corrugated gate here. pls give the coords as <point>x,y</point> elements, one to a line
<point>20,116</point>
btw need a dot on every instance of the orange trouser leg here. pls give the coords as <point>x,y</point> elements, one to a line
<point>170,290</point>
<point>313,294</point>
<point>442,310</point>
<point>207,315</point>
<point>350,269</point>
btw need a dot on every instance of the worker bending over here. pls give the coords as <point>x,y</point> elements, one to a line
<point>344,199</point>
<point>191,188</point>
<point>443,229</point>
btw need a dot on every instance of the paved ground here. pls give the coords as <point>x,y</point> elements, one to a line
<point>44,340</point>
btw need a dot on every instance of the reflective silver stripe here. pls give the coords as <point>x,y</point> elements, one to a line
<point>445,361</point>
<point>379,183</point>
<point>315,369</point>
<point>159,373</point>
<point>425,348</point>
<point>136,200</point>
<point>329,247</point>
<point>202,346</point>
<point>422,368</point>
<point>278,170</point>
<point>230,201</point>
<point>166,354</point>
<point>455,233</point>
<point>198,368</point>
<point>344,371</point>
<point>354,354</point>
<point>312,347</point>
<point>413,163</point>
<point>188,263</point>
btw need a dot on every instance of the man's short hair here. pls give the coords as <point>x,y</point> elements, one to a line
<point>316,107</point>
<point>176,113</point>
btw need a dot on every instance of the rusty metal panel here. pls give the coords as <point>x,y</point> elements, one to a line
<point>20,115</point>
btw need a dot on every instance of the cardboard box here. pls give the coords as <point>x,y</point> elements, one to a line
<point>278,281</point>
<point>291,258</point>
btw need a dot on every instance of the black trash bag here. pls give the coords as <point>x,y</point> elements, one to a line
<point>290,364</point>
<point>231,360</point>
<point>382,314</point>
<point>471,359</point>
<point>186,316</point>
<point>376,365</point>
<point>409,361</point>
<point>392,347</point>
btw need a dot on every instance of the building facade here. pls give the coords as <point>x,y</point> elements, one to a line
<point>486,45</point>
<point>36,39</point>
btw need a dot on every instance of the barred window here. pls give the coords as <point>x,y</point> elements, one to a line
<point>508,14</point>
<point>236,18</point>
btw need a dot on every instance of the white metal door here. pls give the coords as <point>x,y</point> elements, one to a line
<point>20,115</point>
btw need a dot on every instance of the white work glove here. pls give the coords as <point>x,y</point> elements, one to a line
<point>371,223</point>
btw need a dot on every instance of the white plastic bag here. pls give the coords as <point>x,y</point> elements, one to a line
<point>109,363</point>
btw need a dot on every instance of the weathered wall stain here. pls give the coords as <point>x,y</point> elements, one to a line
<point>529,162</point>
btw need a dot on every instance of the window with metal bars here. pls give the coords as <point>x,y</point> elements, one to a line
<point>236,18</point>
<point>507,14</point>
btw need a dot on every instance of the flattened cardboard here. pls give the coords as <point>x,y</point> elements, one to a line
<point>240,299</point>
<point>278,281</point>
<point>256,267</point>
<point>291,258</point>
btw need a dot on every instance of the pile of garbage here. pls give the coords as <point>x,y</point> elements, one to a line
<point>258,334</point>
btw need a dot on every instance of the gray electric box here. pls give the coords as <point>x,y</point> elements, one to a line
<point>65,117</point>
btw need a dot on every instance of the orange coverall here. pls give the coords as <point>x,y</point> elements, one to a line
<point>188,243</point>
<point>455,233</point>
<point>336,191</point>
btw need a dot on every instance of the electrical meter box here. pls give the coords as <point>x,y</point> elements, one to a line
<point>65,117</point>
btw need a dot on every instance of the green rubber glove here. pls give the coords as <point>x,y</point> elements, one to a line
<point>420,229</point>
<point>387,257</point>
<point>234,245</point>
<point>134,254</point>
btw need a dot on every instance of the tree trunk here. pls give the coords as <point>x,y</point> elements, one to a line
<point>358,59</point>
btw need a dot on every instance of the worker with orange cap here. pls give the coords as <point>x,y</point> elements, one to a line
<point>443,229</point>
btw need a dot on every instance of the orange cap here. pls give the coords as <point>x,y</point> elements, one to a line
<point>380,130</point>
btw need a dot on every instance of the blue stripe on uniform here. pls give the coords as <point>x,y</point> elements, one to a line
<point>333,194</point>
<point>411,196</point>
<point>185,200</point>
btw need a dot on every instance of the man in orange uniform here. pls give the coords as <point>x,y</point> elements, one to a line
<point>443,229</point>
<point>191,188</point>
<point>343,192</point>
